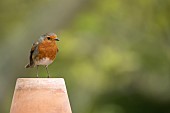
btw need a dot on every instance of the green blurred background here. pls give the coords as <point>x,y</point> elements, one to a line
<point>114,54</point>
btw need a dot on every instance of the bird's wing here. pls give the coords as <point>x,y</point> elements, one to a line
<point>33,52</point>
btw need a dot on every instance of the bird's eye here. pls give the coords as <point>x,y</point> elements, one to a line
<point>48,38</point>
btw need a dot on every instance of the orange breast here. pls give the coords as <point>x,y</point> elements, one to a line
<point>47,49</point>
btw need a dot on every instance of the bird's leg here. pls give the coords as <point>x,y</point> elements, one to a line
<point>46,67</point>
<point>37,71</point>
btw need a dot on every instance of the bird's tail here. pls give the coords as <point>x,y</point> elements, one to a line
<point>29,66</point>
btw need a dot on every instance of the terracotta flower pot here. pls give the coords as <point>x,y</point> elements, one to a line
<point>40,95</point>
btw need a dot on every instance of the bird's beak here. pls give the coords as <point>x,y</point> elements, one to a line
<point>57,39</point>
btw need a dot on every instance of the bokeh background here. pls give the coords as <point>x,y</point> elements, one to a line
<point>114,54</point>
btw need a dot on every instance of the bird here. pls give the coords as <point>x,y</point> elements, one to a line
<point>43,52</point>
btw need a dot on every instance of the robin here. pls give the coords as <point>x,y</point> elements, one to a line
<point>43,52</point>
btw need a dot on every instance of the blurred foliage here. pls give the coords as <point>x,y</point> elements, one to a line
<point>114,54</point>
